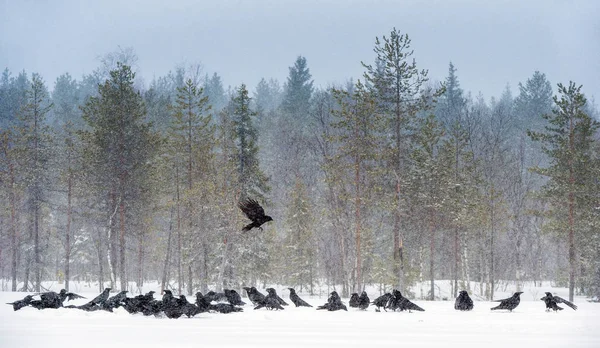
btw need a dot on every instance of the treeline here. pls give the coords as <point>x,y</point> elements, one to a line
<point>386,181</point>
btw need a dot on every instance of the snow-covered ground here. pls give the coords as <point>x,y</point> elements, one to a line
<point>439,326</point>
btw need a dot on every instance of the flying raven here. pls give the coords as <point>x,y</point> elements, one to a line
<point>509,303</point>
<point>463,302</point>
<point>552,302</point>
<point>296,299</point>
<point>254,212</point>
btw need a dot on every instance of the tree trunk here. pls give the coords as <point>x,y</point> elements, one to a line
<point>168,255</point>
<point>358,222</point>
<point>122,247</point>
<point>68,231</point>
<point>432,256</point>
<point>572,263</point>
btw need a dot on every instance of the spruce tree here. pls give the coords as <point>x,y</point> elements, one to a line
<point>298,89</point>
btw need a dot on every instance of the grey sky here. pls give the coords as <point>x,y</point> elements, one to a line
<point>491,43</point>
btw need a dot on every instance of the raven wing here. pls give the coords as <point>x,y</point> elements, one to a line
<point>73,296</point>
<point>252,209</point>
<point>562,300</point>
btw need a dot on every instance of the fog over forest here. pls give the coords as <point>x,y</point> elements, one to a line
<point>392,142</point>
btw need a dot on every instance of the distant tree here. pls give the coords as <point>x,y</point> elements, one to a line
<point>298,89</point>
<point>398,86</point>
<point>213,89</point>
<point>568,140</point>
<point>192,138</point>
<point>65,98</point>
<point>534,100</point>
<point>13,95</point>
<point>267,96</point>
<point>34,145</point>
<point>358,141</point>
<point>118,148</point>
<point>253,182</point>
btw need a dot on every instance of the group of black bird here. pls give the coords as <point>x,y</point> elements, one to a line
<point>230,301</point>
<point>464,303</point>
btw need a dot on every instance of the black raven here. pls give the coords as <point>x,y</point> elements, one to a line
<point>271,301</point>
<point>382,301</point>
<point>202,302</point>
<point>509,303</point>
<point>254,212</point>
<point>397,301</point>
<point>97,303</point>
<point>187,308</point>
<point>334,303</point>
<point>115,301</point>
<point>296,299</point>
<point>463,302</point>
<point>363,301</point>
<point>233,297</point>
<point>215,296</point>
<point>64,295</point>
<point>552,302</point>
<point>353,300</point>
<point>21,303</point>
<point>254,295</point>
<point>171,306</point>
<point>141,303</point>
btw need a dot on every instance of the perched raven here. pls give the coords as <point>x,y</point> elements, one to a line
<point>397,301</point>
<point>187,308</point>
<point>296,299</point>
<point>509,303</point>
<point>215,296</point>
<point>202,302</point>
<point>64,295</point>
<point>353,300</point>
<point>254,295</point>
<point>271,301</point>
<point>363,301</point>
<point>233,297</point>
<point>171,306</point>
<point>142,303</point>
<point>21,303</point>
<point>97,303</point>
<point>463,302</point>
<point>382,301</point>
<point>115,301</point>
<point>334,303</point>
<point>254,212</point>
<point>552,302</point>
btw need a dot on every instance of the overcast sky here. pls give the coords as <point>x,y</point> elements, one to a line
<point>491,43</point>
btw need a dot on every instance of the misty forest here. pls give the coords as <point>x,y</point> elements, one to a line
<point>385,180</point>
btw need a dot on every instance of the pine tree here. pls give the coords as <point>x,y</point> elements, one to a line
<point>398,86</point>
<point>192,137</point>
<point>568,141</point>
<point>118,148</point>
<point>35,148</point>
<point>358,141</point>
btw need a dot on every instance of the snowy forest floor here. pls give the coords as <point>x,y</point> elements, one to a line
<point>440,325</point>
